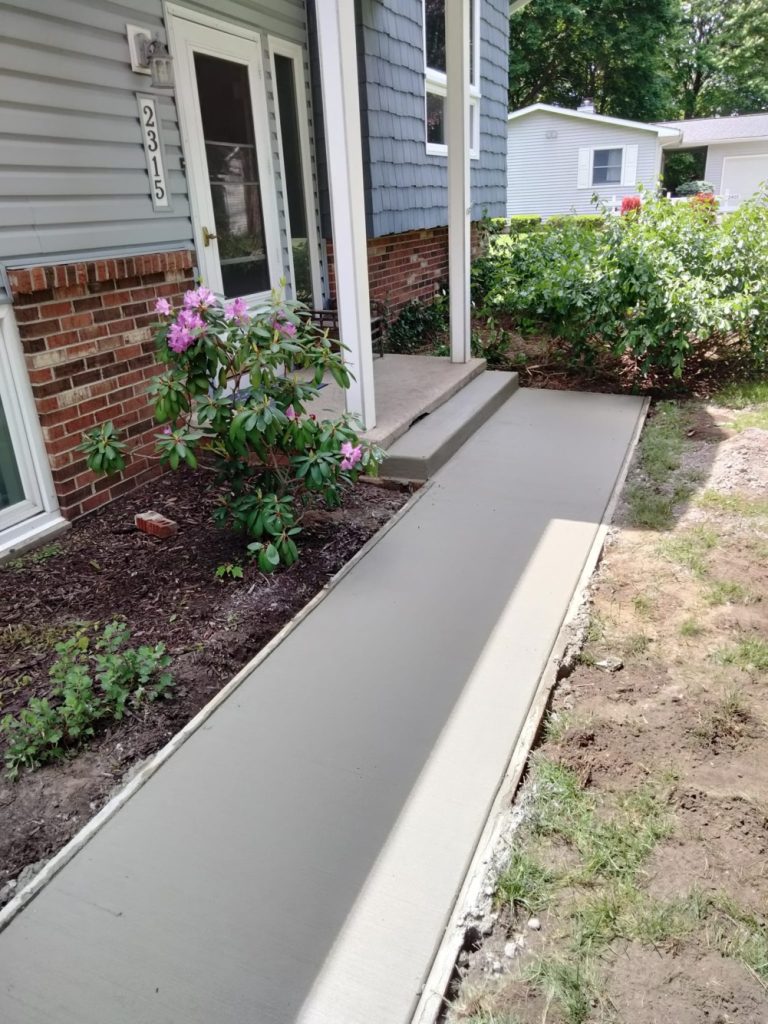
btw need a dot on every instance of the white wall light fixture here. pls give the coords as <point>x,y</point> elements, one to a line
<point>150,56</point>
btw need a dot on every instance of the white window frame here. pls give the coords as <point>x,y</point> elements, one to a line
<point>437,84</point>
<point>607,184</point>
<point>295,52</point>
<point>37,514</point>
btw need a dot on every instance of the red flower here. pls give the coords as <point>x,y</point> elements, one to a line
<point>629,203</point>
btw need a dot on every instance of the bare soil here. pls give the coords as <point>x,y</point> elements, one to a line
<point>104,568</point>
<point>679,716</point>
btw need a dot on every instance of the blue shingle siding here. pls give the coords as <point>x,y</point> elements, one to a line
<point>407,187</point>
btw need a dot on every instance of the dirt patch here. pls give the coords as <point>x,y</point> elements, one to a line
<point>649,986</point>
<point>658,740</point>
<point>166,591</point>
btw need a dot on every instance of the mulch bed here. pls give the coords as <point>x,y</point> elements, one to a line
<point>167,591</point>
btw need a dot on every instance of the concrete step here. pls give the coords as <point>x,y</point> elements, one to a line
<point>432,440</point>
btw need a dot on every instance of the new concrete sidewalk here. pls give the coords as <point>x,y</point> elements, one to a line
<point>298,857</point>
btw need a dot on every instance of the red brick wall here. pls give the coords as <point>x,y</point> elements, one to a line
<point>411,265</point>
<point>89,351</point>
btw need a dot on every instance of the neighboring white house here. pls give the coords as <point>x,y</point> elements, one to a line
<point>557,159</point>
<point>737,151</point>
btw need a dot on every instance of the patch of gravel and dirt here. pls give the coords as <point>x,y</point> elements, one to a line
<point>632,884</point>
<point>166,591</point>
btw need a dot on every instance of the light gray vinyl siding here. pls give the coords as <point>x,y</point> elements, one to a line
<point>543,172</point>
<point>716,154</point>
<point>407,188</point>
<point>73,177</point>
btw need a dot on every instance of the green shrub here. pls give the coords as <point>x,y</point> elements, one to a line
<point>91,683</point>
<point>225,393</point>
<point>693,188</point>
<point>419,324</point>
<point>520,223</point>
<point>497,225</point>
<point>580,220</point>
<point>650,289</point>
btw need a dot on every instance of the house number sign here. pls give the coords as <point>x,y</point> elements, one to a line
<point>153,151</point>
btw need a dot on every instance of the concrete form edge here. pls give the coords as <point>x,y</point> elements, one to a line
<point>59,860</point>
<point>431,999</point>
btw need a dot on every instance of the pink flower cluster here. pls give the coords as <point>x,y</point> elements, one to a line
<point>237,312</point>
<point>284,327</point>
<point>352,455</point>
<point>181,335</point>
<point>200,298</point>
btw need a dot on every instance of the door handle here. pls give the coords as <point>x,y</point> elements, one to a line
<point>207,236</point>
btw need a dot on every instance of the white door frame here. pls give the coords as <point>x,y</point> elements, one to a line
<point>295,52</point>
<point>39,509</point>
<point>189,32</point>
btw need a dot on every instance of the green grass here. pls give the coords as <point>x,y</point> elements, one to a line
<point>650,501</point>
<point>742,394</point>
<point>750,655</point>
<point>724,720</point>
<point>690,547</point>
<point>526,884</point>
<point>690,628</point>
<point>752,418</point>
<point>661,445</point>
<point>610,847</point>
<point>728,592</point>
<point>556,726</point>
<point>636,644</point>
<point>572,984</point>
<point>644,605</point>
<point>733,504</point>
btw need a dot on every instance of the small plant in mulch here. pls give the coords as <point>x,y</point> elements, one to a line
<point>236,390</point>
<point>93,681</point>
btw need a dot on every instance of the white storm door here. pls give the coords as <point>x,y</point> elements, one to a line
<point>223,113</point>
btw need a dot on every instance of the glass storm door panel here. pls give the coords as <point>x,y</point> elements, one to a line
<point>11,487</point>
<point>233,174</point>
<point>223,114</point>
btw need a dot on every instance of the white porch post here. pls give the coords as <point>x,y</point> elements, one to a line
<point>457,137</point>
<point>344,151</point>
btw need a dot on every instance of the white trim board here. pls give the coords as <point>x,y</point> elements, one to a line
<point>641,126</point>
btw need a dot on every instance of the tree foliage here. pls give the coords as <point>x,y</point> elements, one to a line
<point>720,57</point>
<point>645,61</point>
<point>612,51</point>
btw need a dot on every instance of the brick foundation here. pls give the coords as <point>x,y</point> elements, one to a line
<point>89,351</point>
<point>403,267</point>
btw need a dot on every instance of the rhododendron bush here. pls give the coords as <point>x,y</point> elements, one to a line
<point>237,387</point>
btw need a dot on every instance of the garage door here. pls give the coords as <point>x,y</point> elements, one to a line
<point>742,175</point>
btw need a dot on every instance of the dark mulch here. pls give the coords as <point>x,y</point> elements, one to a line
<point>166,591</point>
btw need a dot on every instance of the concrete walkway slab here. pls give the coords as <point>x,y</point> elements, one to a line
<point>297,858</point>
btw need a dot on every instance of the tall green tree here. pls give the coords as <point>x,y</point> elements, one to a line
<point>720,57</point>
<point>616,52</point>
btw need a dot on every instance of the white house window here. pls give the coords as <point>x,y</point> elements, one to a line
<point>606,166</point>
<point>434,66</point>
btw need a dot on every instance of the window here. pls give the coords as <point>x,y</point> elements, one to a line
<point>435,64</point>
<point>606,166</point>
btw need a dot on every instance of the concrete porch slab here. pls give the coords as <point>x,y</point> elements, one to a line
<point>407,387</point>
<point>297,859</point>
